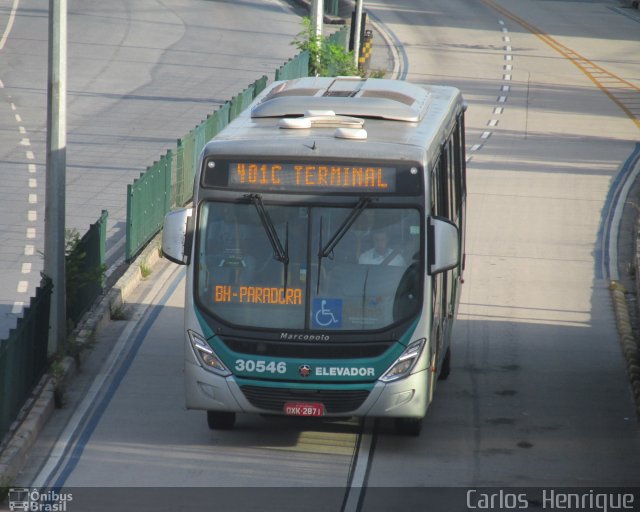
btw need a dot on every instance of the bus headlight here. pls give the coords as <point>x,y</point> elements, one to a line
<point>207,357</point>
<point>405,363</point>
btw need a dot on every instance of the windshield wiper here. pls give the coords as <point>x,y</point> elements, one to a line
<point>327,249</point>
<point>280,253</point>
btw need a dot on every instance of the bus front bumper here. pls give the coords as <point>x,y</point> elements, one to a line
<point>405,398</point>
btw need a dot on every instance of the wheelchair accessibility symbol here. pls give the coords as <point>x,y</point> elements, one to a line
<point>327,313</point>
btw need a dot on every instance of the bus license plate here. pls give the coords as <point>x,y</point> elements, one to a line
<point>303,409</point>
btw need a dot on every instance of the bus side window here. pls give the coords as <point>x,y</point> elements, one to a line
<point>453,189</point>
<point>440,190</point>
<point>435,187</point>
<point>443,182</point>
<point>458,169</point>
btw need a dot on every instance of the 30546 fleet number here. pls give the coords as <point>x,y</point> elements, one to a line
<point>251,366</point>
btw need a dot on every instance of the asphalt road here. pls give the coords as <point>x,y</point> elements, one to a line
<point>538,394</point>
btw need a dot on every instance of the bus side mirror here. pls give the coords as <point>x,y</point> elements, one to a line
<point>176,244</point>
<point>443,245</point>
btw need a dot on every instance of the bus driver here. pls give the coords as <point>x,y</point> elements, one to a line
<point>381,253</point>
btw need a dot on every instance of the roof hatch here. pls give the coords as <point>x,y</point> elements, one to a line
<point>346,96</point>
<point>346,127</point>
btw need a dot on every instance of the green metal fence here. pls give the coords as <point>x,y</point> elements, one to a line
<point>296,67</point>
<point>148,199</point>
<point>260,85</point>
<point>340,37</point>
<point>241,101</point>
<point>217,121</point>
<point>332,7</point>
<point>85,280</point>
<point>183,177</point>
<point>170,182</point>
<point>23,356</point>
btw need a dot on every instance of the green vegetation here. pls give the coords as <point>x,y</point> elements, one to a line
<point>145,269</point>
<point>325,58</point>
<point>120,312</point>
<point>59,383</point>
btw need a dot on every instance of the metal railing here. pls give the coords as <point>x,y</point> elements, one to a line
<point>148,199</point>
<point>88,258</point>
<point>23,356</point>
<point>169,182</point>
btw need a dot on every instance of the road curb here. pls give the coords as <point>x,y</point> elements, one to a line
<point>628,342</point>
<point>38,409</point>
<point>627,328</point>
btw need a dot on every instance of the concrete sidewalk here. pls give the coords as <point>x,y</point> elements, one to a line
<point>38,410</point>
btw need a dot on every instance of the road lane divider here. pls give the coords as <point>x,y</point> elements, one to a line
<point>503,92</point>
<point>360,467</point>
<point>24,282</point>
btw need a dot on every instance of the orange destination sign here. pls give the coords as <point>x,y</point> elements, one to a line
<point>258,295</point>
<point>307,177</point>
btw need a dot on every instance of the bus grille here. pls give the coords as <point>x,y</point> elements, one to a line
<point>334,401</point>
<point>308,350</point>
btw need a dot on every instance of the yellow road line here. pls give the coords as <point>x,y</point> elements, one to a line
<point>622,92</point>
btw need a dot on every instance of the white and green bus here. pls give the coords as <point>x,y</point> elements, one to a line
<point>324,252</point>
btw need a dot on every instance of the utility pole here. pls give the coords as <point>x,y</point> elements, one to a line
<point>54,215</point>
<point>356,33</point>
<point>317,16</point>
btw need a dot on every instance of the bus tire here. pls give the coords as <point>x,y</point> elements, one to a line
<point>408,426</point>
<point>218,420</point>
<point>446,366</point>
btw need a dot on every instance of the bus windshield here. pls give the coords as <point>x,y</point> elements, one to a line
<point>367,279</point>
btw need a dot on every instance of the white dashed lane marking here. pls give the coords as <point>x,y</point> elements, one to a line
<point>32,183</point>
<point>505,89</point>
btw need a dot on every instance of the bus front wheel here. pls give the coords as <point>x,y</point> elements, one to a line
<point>218,420</point>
